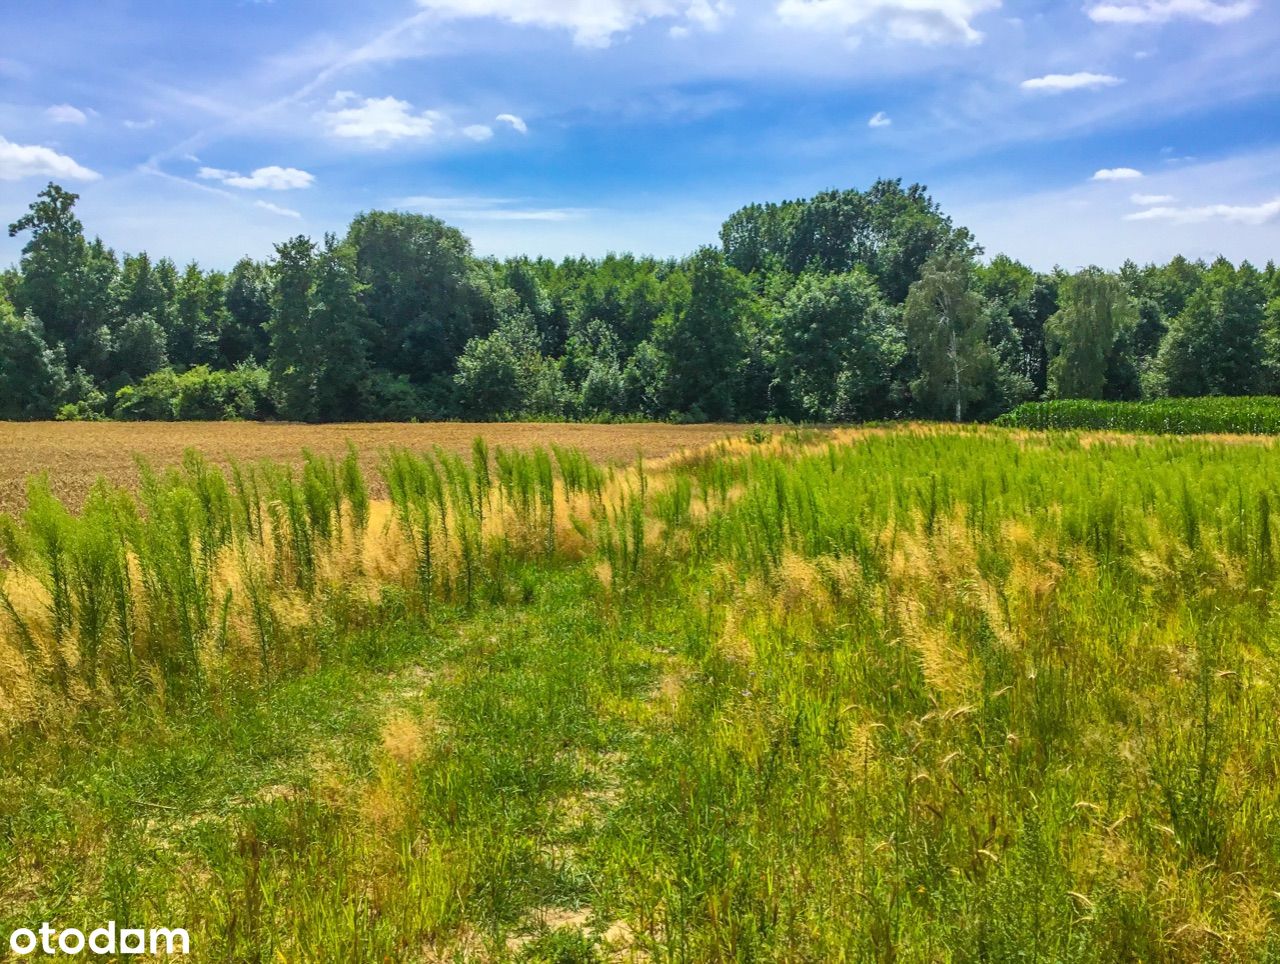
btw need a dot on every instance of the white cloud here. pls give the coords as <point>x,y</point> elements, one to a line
<point>273,178</point>
<point>28,160</point>
<point>1162,11</point>
<point>922,21</point>
<point>880,119</point>
<point>65,114</point>
<point>1057,83</point>
<point>140,125</point>
<point>378,121</point>
<point>1253,215</point>
<point>1117,174</point>
<point>592,22</point>
<point>516,122</point>
<point>276,209</point>
<point>1146,200</point>
<point>478,132</point>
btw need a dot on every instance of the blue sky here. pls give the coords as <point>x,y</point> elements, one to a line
<point>1065,133</point>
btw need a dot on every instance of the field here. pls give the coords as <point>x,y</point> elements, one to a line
<point>901,694</point>
<point>1247,415</point>
<point>75,454</point>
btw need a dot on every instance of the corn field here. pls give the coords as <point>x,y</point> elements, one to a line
<point>1167,416</point>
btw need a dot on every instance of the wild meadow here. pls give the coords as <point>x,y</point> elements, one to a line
<point>905,694</point>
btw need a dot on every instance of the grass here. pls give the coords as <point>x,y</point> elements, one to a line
<point>907,694</point>
<point>1169,416</point>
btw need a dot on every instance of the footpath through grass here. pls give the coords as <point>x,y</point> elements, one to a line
<point>896,695</point>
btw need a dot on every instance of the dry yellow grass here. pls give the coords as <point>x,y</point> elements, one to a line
<point>76,453</point>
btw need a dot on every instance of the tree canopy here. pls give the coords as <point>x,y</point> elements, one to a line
<point>845,306</point>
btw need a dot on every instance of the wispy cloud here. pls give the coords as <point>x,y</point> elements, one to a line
<point>272,178</point>
<point>1117,174</point>
<point>489,209</point>
<point>277,209</point>
<point>880,119</point>
<point>1058,83</point>
<point>593,23</point>
<point>517,123</point>
<point>30,160</point>
<point>1162,11</point>
<point>65,114</point>
<point>1254,214</point>
<point>478,132</point>
<point>1146,200</point>
<point>920,21</point>
<point>140,125</point>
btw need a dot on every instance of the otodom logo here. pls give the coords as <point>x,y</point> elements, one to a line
<point>108,939</point>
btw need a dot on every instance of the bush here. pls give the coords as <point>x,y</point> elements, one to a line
<point>199,394</point>
<point>1252,415</point>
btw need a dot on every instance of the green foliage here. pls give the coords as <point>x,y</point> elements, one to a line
<point>1246,416</point>
<point>1215,345</point>
<point>199,394</point>
<point>837,347</point>
<point>701,340</point>
<point>946,330</point>
<point>33,376</point>
<point>804,313</point>
<point>1096,314</point>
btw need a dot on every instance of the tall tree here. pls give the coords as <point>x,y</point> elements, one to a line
<point>946,330</point>
<point>419,291</point>
<point>1216,344</point>
<point>54,264</point>
<point>1095,312</point>
<point>701,338</point>
<point>296,362</point>
<point>33,376</point>
<point>342,326</point>
<point>837,347</point>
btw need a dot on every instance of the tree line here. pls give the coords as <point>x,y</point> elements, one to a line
<point>847,306</point>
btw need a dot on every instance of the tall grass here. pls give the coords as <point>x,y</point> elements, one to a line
<point>914,694</point>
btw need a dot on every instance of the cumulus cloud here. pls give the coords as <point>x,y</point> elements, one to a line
<point>517,123</point>
<point>65,114</point>
<point>880,119</point>
<point>1146,200</point>
<point>378,121</point>
<point>1162,11</point>
<point>28,160</point>
<point>593,23</point>
<point>1057,83</point>
<point>272,178</point>
<point>1252,215</point>
<point>277,209</point>
<point>1117,174</point>
<point>921,21</point>
<point>478,132</point>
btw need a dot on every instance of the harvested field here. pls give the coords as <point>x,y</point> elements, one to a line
<point>76,453</point>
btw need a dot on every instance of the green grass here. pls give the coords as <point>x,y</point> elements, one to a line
<point>926,694</point>
<point>1166,416</point>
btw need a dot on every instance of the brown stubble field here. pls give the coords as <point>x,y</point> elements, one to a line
<point>75,454</point>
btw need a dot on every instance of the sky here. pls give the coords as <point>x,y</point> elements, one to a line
<point>1061,133</point>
